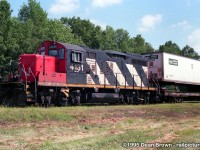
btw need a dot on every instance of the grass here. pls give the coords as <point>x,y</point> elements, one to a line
<point>33,114</point>
<point>98,127</point>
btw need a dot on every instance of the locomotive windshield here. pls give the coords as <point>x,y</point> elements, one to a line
<point>57,53</point>
<point>53,52</point>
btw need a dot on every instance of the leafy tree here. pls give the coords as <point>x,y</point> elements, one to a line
<point>33,12</point>
<point>108,41</point>
<point>35,21</point>
<point>59,32</point>
<point>138,45</point>
<point>121,38</point>
<point>5,16</point>
<point>5,21</point>
<point>189,52</point>
<point>84,29</point>
<point>170,47</point>
<point>14,35</point>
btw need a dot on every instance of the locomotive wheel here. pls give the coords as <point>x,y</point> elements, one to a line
<point>63,101</point>
<point>76,100</point>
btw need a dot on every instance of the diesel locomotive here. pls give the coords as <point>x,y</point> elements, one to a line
<point>65,74</point>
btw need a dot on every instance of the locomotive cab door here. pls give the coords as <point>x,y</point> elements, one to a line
<point>61,65</point>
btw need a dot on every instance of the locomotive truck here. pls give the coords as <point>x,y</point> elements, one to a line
<point>63,74</point>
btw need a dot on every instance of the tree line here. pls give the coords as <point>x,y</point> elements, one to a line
<point>22,34</point>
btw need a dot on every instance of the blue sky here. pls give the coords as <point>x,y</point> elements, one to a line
<point>158,21</point>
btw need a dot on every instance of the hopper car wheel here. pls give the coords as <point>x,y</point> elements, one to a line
<point>180,100</point>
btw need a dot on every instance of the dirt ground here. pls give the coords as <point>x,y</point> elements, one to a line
<point>96,127</point>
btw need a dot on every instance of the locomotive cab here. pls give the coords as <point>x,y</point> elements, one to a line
<point>51,48</point>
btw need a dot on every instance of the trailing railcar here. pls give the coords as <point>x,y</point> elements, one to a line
<point>177,76</point>
<point>64,74</point>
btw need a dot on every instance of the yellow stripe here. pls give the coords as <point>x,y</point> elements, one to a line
<point>95,86</point>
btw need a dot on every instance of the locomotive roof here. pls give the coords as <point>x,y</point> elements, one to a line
<point>85,49</point>
<point>72,46</point>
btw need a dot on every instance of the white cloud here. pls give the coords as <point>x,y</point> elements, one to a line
<point>63,6</point>
<point>193,40</point>
<point>99,23</point>
<point>105,3</point>
<point>149,22</point>
<point>183,25</point>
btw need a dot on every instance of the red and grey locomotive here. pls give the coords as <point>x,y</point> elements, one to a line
<point>63,74</point>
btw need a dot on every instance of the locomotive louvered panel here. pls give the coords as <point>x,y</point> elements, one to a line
<point>101,66</point>
<point>109,68</point>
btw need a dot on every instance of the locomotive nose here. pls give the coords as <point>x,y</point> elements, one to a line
<point>30,65</point>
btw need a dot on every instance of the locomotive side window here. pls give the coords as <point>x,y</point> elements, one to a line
<point>61,53</point>
<point>139,62</point>
<point>91,55</point>
<point>42,51</point>
<point>76,57</point>
<point>53,52</point>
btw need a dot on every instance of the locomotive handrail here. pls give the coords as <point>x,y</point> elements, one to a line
<point>35,83</point>
<point>23,69</point>
<point>157,84</point>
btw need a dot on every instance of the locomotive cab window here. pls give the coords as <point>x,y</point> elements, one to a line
<point>53,52</point>
<point>42,51</point>
<point>61,53</point>
<point>76,57</point>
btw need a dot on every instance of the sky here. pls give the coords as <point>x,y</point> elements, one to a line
<point>158,21</point>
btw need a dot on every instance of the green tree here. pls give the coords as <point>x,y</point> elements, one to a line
<point>34,20</point>
<point>84,29</point>
<point>59,32</point>
<point>108,41</point>
<point>15,35</point>
<point>189,52</point>
<point>138,45</point>
<point>121,38</point>
<point>5,25</point>
<point>170,47</point>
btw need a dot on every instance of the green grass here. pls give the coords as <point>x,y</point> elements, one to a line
<point>33,114</point>
<point>98,127</point>
<point>113,142</point>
